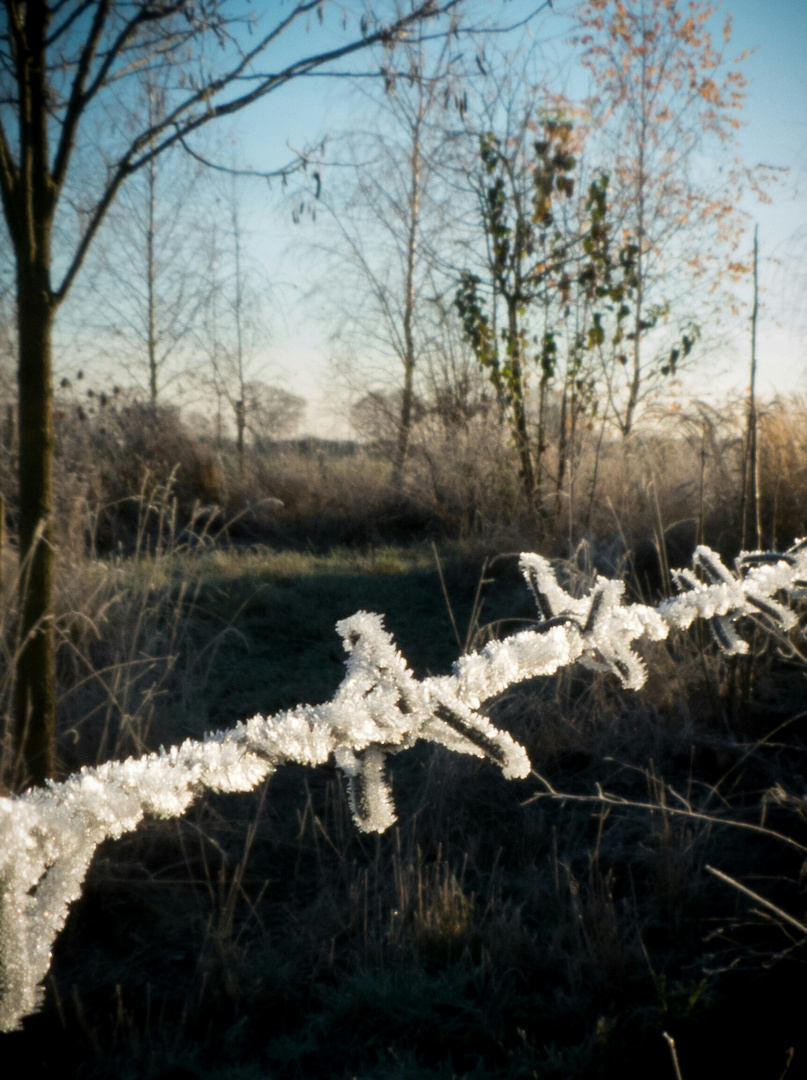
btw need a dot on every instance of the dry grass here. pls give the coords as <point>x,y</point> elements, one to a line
<point>678,477</point>
<point>500,930</point>
<point>783,468</point>
<point>128,665</point>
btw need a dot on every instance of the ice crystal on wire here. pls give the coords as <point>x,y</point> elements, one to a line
<point>599,628</point>
<point>760,578</point>
<point>48,836</point>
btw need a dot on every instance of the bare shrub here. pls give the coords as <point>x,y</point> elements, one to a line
<point>465,475</point>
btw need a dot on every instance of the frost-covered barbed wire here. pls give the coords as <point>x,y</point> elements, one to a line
<point>759,577</point>
<point>48,835</point>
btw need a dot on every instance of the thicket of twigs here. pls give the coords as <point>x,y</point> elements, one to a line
<point>679,474</point>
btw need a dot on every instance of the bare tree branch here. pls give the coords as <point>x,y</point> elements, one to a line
<point>77,100</point>
<point>174,128</point>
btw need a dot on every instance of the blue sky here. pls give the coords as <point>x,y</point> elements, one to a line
<point>774,133</point>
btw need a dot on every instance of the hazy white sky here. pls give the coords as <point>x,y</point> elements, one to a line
<point>774,133</point>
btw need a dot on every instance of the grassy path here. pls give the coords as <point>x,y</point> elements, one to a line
<point>282,647</point>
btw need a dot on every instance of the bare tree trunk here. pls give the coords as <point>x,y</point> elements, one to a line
<point>595,475</point>
<point>638,325</point>
<point>405,421</point>
<point>29,206</point>
<point>151,300</point>
<point>633,394</point>
<point>241,403</point>
<point>563,442</point>
<point>35,703</point>
<point>540,448</point>
<point>218,418</point>
<point>572,463</point>
<point>526,470</point>
<point>543,390</point>
<point>750,508</point>
<point>410,357</point>
<point>240,424</point>
<point>405,425</point>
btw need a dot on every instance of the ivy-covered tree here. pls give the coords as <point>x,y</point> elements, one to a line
<point>548,288</point>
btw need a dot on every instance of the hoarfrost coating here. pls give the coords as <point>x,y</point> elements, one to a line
<point>48,835</point>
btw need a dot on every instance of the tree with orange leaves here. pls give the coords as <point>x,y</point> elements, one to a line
<point>666,100</point>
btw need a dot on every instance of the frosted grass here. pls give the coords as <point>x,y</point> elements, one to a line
<point>48,835</point>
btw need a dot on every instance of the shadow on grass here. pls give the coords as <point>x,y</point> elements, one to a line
<point>285,649</point>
